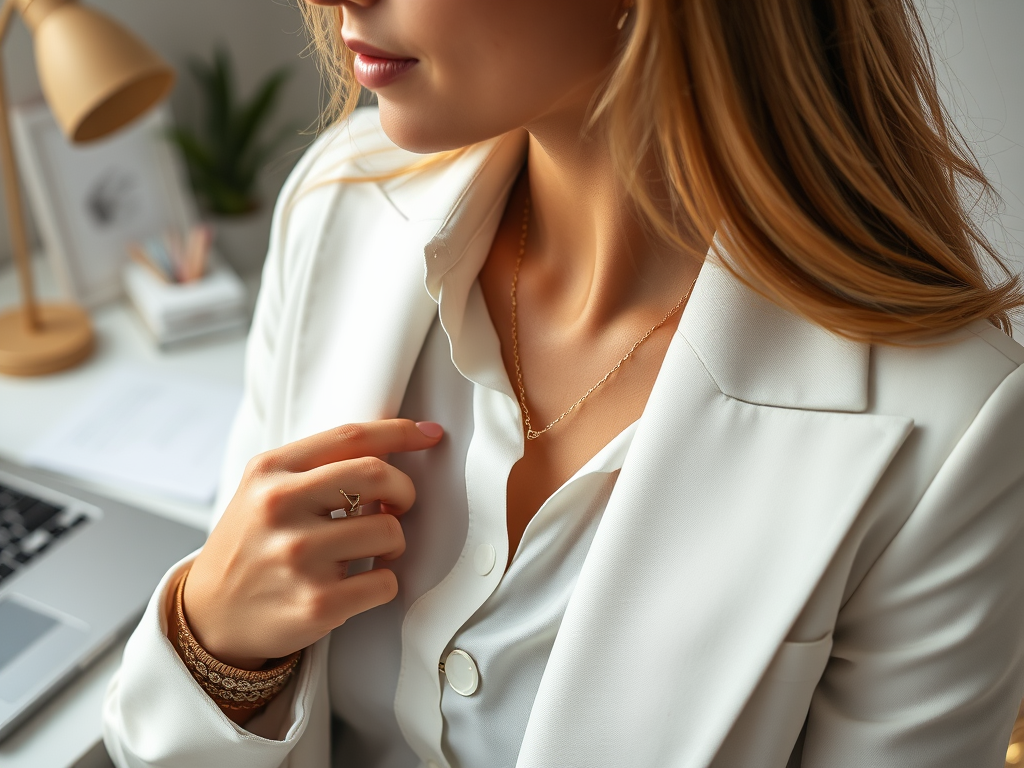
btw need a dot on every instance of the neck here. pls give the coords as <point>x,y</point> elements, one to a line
<point>593,256</point>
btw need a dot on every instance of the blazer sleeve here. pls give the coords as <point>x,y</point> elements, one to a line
<point>155,714</point>
<point>928,660</point>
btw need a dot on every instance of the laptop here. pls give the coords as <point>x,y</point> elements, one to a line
<point>76,572</point>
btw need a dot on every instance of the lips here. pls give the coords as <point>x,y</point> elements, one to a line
<point>373,73</point>
<point>375,68</point>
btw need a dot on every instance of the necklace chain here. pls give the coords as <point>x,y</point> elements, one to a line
<point>531,433</point>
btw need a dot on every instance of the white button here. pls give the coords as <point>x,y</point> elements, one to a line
<point>483,560</point>
<point>461,672</point>
<point>432,764</point>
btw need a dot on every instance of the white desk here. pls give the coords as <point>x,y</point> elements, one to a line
<point>66,731</point>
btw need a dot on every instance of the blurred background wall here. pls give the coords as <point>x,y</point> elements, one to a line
<point>980,42</point>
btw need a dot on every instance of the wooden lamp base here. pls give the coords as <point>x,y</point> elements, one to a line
<point>64,339</point>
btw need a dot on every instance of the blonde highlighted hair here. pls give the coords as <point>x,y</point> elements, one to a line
<point>809,137</point>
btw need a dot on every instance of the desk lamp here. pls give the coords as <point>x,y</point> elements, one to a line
<point>96,77</point>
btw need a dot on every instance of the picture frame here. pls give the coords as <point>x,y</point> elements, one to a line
<point>89,201</point>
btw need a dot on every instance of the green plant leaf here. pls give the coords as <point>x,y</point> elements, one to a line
<point>192,148</point>
<point>215,81</point>
<point>225,156</point>
<point>252,116</point>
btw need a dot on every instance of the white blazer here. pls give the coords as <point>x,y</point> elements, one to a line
<point>813,555</point>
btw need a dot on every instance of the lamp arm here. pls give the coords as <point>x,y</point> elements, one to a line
<point>15,212</point>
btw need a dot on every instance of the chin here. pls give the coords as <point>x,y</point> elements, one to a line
<point>429,129</point>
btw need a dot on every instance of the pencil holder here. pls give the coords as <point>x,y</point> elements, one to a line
<point>178,312</point>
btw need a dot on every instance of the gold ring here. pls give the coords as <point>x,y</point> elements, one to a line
<point>353,501</point>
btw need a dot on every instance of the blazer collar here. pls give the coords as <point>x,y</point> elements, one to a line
<point>448,200</point>
<point>759,353</point>
<point>432,216</point>
<point>474,188</point>
<point>754,350</point>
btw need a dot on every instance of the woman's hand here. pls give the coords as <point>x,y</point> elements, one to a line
<point>271,578</point>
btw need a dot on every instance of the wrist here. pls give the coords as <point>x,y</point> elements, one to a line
<point>234,689</point>
<point>196,610</point>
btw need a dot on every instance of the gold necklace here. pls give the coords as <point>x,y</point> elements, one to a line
<point>531,433</point>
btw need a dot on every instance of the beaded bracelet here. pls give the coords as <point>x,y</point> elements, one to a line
<point>230,687</point>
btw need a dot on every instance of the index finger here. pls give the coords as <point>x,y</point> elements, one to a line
<point>353,441</point>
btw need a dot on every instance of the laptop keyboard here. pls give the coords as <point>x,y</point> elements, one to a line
<point>29,526</point>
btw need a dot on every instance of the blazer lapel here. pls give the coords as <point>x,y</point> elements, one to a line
<point>364,317</point>
<point>748,468</point>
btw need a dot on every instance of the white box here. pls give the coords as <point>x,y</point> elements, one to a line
<point>175,312</point>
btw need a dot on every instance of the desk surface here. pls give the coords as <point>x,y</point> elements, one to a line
<point>30,406</point>
<point>68,727</point>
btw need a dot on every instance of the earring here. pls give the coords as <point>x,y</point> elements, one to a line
<point>628,5</point>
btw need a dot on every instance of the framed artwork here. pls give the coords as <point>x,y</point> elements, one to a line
<point>89,201</point>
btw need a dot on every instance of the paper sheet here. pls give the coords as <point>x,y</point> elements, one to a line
<point>156,433</point>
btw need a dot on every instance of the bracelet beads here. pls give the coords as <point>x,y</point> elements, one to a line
<point>231,688</point>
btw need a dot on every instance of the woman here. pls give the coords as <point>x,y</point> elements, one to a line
<point>622,504</point>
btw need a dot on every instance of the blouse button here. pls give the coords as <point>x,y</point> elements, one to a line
<point>432,764</point>
<point>461,672</point>
<point>483,559</point>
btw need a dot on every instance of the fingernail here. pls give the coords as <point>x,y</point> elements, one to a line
<point>430,429</point>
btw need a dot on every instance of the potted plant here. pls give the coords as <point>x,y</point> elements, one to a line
<point>227,153</point>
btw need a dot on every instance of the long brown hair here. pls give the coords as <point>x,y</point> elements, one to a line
<point>809,139</point>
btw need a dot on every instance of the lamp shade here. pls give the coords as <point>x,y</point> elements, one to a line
<point>95,74</point>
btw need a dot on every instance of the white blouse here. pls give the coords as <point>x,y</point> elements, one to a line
<point>454,593</point>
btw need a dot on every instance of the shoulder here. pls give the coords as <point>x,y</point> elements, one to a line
<point>966,399</point>
<point>759,352</point>
<point>950,378</point>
